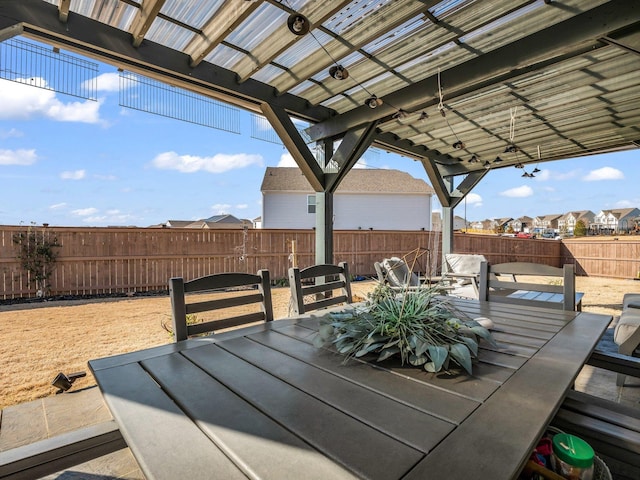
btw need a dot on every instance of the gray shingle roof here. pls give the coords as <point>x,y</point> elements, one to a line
<point>358,180</point>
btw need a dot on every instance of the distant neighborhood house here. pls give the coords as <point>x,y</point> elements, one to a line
<point>377,199</point>
<point>623,219</point>
<point>216,221</point>
<point>567,223</point>
<point>546,222</point>
<point>522,224</point>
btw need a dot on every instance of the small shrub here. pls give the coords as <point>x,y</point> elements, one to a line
<point>37,255</point>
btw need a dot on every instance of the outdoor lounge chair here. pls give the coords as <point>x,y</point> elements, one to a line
<point>183,303</point>
<point>462,274</point>
<point>313,287</point>
<point>627,331</point>
<point>395,273</point>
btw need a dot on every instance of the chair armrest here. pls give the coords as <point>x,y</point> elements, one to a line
<point>615,362</point>
<point>470,276</point>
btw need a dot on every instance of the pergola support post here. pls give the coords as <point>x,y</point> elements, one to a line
<point>324,228</point>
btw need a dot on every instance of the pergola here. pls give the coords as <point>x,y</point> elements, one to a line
<point>463,86</point>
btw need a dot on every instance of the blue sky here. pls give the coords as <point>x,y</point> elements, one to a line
<point>70,162</point>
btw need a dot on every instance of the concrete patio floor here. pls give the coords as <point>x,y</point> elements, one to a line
<point>29,422</point>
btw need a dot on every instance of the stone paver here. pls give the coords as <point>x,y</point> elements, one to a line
<point>22,424</point>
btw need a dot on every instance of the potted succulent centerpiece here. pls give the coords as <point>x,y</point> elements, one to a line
<point>419,325</point>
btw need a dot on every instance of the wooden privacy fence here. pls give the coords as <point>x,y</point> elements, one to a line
<point>93,261</point>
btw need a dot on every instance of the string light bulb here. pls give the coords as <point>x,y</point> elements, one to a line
<point>400,114</point>
<point>339,72</point>
<point>298,24</point>
<point>373,102</point>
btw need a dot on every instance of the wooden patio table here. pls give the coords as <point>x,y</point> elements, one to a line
<point>263,402</point>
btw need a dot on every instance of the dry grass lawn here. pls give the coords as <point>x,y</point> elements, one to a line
<point>39,340</point>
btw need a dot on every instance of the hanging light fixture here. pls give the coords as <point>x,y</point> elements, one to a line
<point>298,24</point>
<point>373,102</point>
<point>536,170</point>
<point>400,114</point>
<point>459,145</point>
<point>339,72</point>
<point>497,160</point>
<point>473,159</point>
<point>510,149</point>
<point>423,116</point>
<point>486,165</point>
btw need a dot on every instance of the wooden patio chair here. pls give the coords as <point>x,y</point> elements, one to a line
<point>561,294</point>
<point>313,287</point>
<point>184,301</point>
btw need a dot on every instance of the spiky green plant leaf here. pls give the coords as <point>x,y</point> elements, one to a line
<point>419,326</point>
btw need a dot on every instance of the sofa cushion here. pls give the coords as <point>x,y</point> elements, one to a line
<point>628,323</point>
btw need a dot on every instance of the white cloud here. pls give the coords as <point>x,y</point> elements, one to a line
<point>105,177</point>
<point>221,208</point>
<point>518,192</point>
<point>108,82</point>
<point>604,173</point>
<point>286,160</point>
<point>83,212</point>
<point>474,199</point>
<point>25,102</point>
<point>242,206</point>
<point>111,217</point>
<point>57,206</point>
<point>219,163</point>
<point>547,174</point>
<point>18,157</point>
<point>543,175</point>
<point>12,133</point>
<point>75,175</point>
<point>626,204</point>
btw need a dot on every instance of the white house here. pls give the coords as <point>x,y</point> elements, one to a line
<point>546,222</point>
<point>617,220</point>
<point>522,224</point>
<point>567,223</point>
<point>366,199</point>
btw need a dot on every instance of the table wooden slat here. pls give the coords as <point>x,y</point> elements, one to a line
<point>338,435</point>
<point>147,418</point>
<point>522,408</point>
<point>261,447</point>
<point>423,397</point>
<point>408,425</point>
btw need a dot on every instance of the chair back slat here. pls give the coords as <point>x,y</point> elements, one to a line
<point>557,295</point>
<point>221,303</point>
<point>325,282</point>
<point>184,301</point>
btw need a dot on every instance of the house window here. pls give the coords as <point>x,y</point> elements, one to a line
<point>311,204</point>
